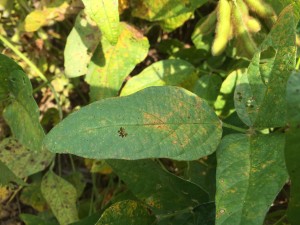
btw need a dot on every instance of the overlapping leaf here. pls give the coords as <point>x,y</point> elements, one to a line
<point>127,212</point>
<point>21,111</point>
<point>21,160</point>
<point>165,72</point>
<point>80,46</point>
<point>61,197</point>
<point>153,10</point>
<point>292,148</point>
<point>155,187</point>
<point>111,64</point>
<point>7,176</point>
<point>106,15</point>
<point>155,122</point>
<point>259,97</point>
<point>250,173</point>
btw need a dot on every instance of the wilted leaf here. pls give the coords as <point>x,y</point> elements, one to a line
<point>80,46</point>
<point>137,126</point>
<point>21,111</point>
<point>155,187</point>
<point>250,173</point>
<point>111,64</point>
<point>165,72</point>
<point>21,160</point>
<point>106,15</point>
<point>259,96</point>
<point>125,213</point>
<point>61,197</point>
<point>292,147</point>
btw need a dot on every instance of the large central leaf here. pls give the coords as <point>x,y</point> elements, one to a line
<point>155,122</point>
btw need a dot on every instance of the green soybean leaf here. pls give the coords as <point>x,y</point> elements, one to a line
<point>30,219</point>
<point>127,212</point>
<point>259,97</point>
<point>165,72</point>
<point>106,15</point>
<point>154,10</point>
<point>21,160</point>
<point>111,64</point>
<point>203,214</point>
<point>224,104</point>
<point>155,187</point>
<point>61,197</point>
<point>250,173</point>
<point>7,176</point>
<point>21,111</point>
<point>208,87</point>
<point>292,154</point>
<point>172,23</point>
<point>155,122</point>
<point>80,46</point>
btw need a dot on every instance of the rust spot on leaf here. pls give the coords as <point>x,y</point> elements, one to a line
<point>122,133</point>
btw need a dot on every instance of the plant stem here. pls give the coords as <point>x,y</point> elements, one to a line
<point>280,220</point>
<point>234,127</point>
<point>34,68</point>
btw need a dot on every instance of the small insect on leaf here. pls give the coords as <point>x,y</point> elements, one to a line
<point>122,133</point>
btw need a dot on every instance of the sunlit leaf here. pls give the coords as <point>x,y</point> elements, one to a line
<point>106,15</point>
<point>165,72</point>
<point>112,64</point>
<point>81,43</point>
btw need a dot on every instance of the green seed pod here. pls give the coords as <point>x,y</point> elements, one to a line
<point>223,27</point>
<point>253,24</point>
<point>242,33</point>
<point>207,25</point>
<point>261,8</point>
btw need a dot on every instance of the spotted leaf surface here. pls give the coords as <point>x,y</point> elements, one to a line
<point>61,197</point>
<point>292,147</point>
<point>250,173</point>
<point>127,212</point>
<point>21,111</point>
<point>259,96</point>
<point>155,122</point>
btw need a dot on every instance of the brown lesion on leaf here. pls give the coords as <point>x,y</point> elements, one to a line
<point>122,133</point>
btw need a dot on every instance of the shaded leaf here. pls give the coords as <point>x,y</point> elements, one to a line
<point>30,219</point>
<point>21,160</point>
<point>7,177</point>
<point>292,147</point>
<point>250,173</point>
<point>21,111</point>
<point>112,64</point>
<point>81,43</point>
<point>259,97</point>
<point>203,214</point>
<point>106,15</point>
<point>61,197</point>
<point>155,187</point>
<point>154,10</point>
<point>126,212</point>
<point>137,126</point>
<point>208,87</point>
<point>165,72</point>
